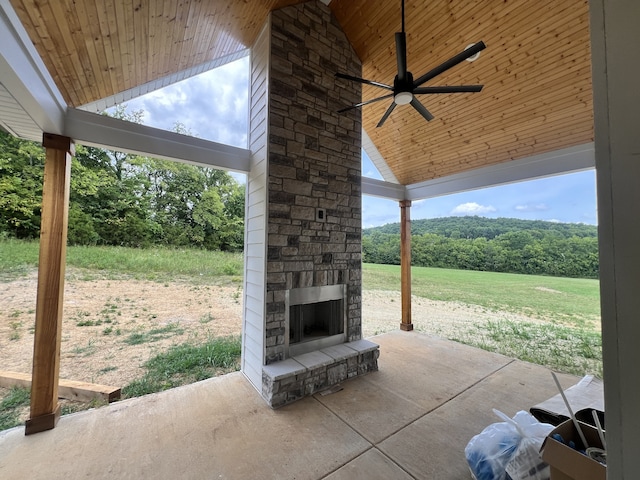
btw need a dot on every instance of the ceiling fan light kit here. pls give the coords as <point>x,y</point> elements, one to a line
<point>405,89</point>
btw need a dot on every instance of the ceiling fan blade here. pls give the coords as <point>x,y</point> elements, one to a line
<point>365,103</point>
<point>452,62</point>
<point>422,110</point>
<point>448,89</point>
<point>362,80</point>
<point>386,114</point>
<point>401,55</point>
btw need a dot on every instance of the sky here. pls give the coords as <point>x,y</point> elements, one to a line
<point>214,106</point>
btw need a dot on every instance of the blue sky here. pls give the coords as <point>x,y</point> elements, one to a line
<point>213,106</point>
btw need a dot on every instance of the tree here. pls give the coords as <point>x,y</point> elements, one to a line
<point>21,177</point>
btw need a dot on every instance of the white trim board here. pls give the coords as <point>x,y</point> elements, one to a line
<point>106,132</point>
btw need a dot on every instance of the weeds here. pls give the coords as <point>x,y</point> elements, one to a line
<point>186,363</point>
<point>14,333</point>
<point>154,334</point>
<point>10,407</point>
<point>557,347</point>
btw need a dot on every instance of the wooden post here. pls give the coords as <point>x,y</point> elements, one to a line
<point>405,264</point>
<point>45,410</point>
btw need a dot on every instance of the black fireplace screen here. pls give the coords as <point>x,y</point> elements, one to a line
<point>312,321</point>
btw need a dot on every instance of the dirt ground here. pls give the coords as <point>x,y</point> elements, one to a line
<point>111,327</point>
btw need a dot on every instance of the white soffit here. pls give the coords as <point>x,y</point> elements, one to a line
<point>567,160</point>
<point>377,159</point>
<point>26,80</point>
<point>122,97</point>
<point>106,132</point>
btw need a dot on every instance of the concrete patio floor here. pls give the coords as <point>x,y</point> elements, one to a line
<point>410,420</point>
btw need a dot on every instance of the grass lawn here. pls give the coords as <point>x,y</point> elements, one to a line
<point>570,301</point>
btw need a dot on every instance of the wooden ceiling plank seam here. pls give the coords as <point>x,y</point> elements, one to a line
<point>177,46</point>
<point>168,13</point>
<point>176,27</point>
<point>141,18</point>
<point>113,43</point>
<point>197,22</point>
<point>123,36</point>
<point>85,38</point>
<point>100,40</point>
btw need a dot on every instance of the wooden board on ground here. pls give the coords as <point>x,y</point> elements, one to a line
<point>67,389</point>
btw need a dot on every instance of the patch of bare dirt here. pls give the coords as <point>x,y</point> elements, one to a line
<point>111,327</point>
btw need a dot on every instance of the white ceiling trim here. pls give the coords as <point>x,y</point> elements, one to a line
<point>122,97</point>
<point>380,188</point>
<point>567,160</point>
<point>25,78</point>
<point>377,159</point>
<point>106,132</point>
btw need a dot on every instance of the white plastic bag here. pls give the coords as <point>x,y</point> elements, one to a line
<point>509,449</point>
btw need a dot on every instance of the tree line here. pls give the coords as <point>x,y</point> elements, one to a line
<point>497,245</point>
<point>123,199</point>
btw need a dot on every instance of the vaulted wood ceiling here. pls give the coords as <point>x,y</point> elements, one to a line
<point>536,68</point>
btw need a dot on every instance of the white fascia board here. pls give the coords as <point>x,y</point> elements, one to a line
<point>380,188</point>
<point>103,131</point>
<point>377,159</point>
<point>558,162</point>
<point>122,97</point>
<point>25,77</point>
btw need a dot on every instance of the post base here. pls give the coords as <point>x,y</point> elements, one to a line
<point>44,422</point>
<point>407,327</point>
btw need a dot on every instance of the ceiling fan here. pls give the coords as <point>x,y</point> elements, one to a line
<point>405,88</point>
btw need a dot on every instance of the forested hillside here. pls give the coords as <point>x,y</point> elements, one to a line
<point>497,245</point>
<point>122,199</point>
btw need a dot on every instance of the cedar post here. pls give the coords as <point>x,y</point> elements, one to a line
<point>45,410</point>
<point>405,264</point>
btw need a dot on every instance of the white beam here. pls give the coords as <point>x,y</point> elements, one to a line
<point>380,188</point>
<point>106,132</point>
<point>25,77</point>
<point>559,162</point>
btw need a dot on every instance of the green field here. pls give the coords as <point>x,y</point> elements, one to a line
<point>569,301</point>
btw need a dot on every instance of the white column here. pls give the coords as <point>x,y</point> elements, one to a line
<point>615,41</point>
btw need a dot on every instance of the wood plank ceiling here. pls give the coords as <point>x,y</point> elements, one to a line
<point>536,68</point>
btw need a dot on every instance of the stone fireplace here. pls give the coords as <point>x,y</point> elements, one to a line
<point>302,305</point>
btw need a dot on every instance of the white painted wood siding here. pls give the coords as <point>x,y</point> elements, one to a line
<point>253,324</point>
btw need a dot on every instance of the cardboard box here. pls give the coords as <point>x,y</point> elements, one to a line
<point>588,393</point>
<point>567,463</point>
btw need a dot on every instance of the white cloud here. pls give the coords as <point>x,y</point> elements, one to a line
<point>472,208</point>
<point>539,207</point>
<point>212,105</point>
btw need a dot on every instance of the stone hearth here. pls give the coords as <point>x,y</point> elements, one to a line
<point>303,224</point>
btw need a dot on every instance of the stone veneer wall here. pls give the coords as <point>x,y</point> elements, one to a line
<point>314,161</point>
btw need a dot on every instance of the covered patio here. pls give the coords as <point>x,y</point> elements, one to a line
<point>410,420</point>
<point>560,96</point>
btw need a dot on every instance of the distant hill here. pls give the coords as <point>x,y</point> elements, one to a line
<point>496,245</point>
<point>472,227</point>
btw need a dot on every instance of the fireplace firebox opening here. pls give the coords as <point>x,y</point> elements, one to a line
<point>316,318</point>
